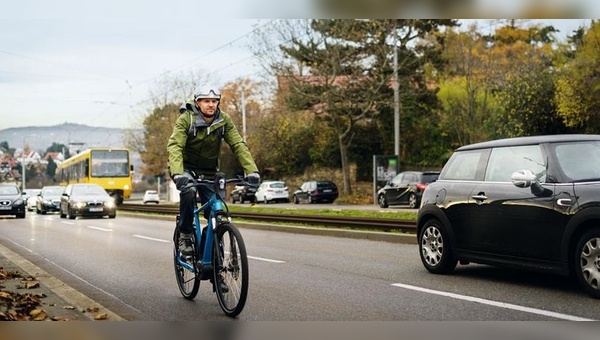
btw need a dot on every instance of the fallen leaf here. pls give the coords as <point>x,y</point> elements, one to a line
<point>102,316</point>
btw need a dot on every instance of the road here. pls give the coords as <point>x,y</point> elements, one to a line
<point>126,265</point>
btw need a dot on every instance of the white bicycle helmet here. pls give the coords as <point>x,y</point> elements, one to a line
<point>207,92</point>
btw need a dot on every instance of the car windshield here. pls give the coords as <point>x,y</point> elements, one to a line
<point>8,190</point>
<point>88,190</point>
<point>325,185</point>
<point>151,192</point>
<point>52,191</point>
<point>579,161</point>
<point>428,178</point>
<point>277,185</point>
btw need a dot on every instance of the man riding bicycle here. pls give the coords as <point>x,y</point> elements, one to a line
<point>194,150</point>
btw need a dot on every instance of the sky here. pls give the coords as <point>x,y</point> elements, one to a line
<point>94,63</point>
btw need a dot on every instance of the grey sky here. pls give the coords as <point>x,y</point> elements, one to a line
<point>93,63</point>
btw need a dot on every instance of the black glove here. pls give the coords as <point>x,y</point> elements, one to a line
<point>181,181</point>
<point>253,178</point>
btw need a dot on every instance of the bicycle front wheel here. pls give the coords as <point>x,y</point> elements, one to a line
<point>230,269</point>
<point>188,279</point>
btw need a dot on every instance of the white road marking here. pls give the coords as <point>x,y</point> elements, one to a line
<point>98,228</point>
<point>266,260</point>
<point>494,303</point>
<point>151,238</point>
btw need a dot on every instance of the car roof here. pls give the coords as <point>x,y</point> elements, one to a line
<point>530,140</point>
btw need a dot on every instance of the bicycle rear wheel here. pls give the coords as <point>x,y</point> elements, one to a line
<point>188,279</point>
<point>230,269</point>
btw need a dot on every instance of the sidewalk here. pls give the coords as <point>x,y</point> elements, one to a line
<point>28,293</point>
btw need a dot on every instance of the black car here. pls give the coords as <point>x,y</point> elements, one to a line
<point>530,202</point>
<point>242,193</point>
<point>49,199</point>
<point>11,200</point>
<point>316,191</point>
<point>406,188</point>
<point>86,199</point>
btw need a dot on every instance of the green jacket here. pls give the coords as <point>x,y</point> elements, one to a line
<point>197,146</point>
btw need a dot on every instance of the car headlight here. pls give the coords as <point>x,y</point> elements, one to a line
<point>79,205</point>
<point>19,202</point>
<point>110,203</point>
<point>47,202</point>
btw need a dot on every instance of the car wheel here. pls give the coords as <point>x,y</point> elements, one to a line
<point>232,199</point>
<point>113,215</point>
<point>295,199</point>
<point>62,215</point>
<point>413,202</point>
<point>587,263</point>
<point>310,199</point>
<point>21,215</point>
<point>241,199</point>
<point>382,201</point>
<point>265,200</point>
<point>435,249</point>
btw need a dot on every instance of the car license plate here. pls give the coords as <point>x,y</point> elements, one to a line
<point>5,208</point>
<point>278,191</point>
<point>95,209</point>
<point>327,190</point>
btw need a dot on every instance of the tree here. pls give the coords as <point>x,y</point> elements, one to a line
<point>578,86</point>
<point>50,168</point>
<point>340,70</point>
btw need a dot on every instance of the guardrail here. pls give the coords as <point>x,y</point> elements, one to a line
<point>381,224</point>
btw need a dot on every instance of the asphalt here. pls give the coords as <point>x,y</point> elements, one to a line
<point>50,299</point>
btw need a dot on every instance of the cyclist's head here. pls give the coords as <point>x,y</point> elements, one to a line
<point>207,99</point>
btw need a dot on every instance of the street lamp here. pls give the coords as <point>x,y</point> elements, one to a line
<point>23,178</point>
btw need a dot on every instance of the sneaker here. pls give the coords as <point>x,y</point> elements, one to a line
<point>185,244</point>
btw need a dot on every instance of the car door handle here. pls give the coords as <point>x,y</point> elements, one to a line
<point>479,197</point>
<point>564,202</point>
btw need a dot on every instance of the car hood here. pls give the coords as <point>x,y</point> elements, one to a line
<point>10,197</point>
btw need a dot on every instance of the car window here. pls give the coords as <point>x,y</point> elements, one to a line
<point>8,190</point>
<point>428,178</point>
<point>579,161</point>
<point>88,190</point>
<point>504,161</point>
<point>409,178</point>
<point>397,179</point>
<point>277,185</point>
<point>463,165</point>
<point>52,191</point>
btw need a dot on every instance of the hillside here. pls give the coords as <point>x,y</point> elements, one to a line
<point>78,136</point>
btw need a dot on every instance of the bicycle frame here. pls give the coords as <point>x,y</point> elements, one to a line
<point>215,203</point>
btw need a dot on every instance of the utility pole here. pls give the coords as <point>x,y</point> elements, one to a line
<point>396,98</point>
<point>243,115</point>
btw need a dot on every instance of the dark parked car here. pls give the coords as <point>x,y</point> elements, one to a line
<point>242,193</point>
<point>406,188</point>
<point>83,199</point>
<point>11,200</point>
<point>316,191</point>
<point>530,203</point>
<point>49,199</point>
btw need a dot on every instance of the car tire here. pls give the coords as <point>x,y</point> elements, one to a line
<point>585,263</point>
<point>62,215</point>
<point>112,215</point>
<point>265,200</point>
<point>382,201</point>
<point>241,199</point>
<point>435,248</point>
<point>413,201</point>
<point>295,199</point>
<point>21,215</point>
<point>70,214</point>
<point>232,199</point>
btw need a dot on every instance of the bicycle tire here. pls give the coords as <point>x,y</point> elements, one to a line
<point>188,280</point>
<point>230,269</point>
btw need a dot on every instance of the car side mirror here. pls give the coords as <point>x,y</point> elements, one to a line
<point>527,179</point>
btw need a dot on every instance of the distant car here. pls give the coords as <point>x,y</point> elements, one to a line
<point>151,196</point>
<point>316,191</point>
<point>86,199</point>
<point>31,200</point>
<point>11,200</point>
<point>406,188</point>
<point>49,199</point>
<point>242,193</point>
<point>272,191</point>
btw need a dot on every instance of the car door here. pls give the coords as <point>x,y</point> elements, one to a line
<point>393,192</point>
<point>511,221</point>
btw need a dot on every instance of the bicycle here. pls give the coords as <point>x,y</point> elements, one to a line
<point>224,262</point>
